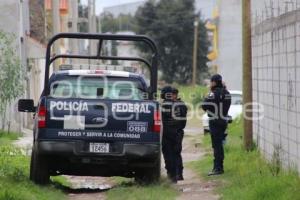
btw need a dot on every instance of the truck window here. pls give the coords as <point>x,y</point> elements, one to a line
<point>117,88</point>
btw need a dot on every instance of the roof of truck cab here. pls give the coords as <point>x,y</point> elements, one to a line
<point>97,73</point>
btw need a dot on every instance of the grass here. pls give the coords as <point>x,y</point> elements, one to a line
<point>7,138</point>
<point>61,181</point>
<point>14,173</point>
<point>127,189</point>
<point>247,174</point>
<point>192,94</point>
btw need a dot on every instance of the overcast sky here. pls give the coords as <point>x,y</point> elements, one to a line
<point>100,4</point>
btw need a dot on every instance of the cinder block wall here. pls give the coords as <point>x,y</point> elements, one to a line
<point>276,78</point>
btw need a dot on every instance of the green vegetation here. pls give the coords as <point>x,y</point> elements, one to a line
<point>112,24</point>
<point>128,189</point>
<point>193,95</point>
<point>61,181</point>
<point>14,173</point>
<point>171,25</point>
<point>247,174</point>
<point>7,138</point>
<point>11,80</point>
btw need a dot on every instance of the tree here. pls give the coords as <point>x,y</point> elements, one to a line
<point>83,12</point>
<point>108,23</point>
<point>112,24</point>
<point>10,73</point>
<point>171,24</point>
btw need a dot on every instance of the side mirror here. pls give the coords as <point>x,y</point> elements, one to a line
<point>26,105</point>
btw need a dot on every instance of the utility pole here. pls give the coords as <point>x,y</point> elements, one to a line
<point>73,6</point>
<point>56,29</point>
<point>247,74</point>
<point>195,51</point>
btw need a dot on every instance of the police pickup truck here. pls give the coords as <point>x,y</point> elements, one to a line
<point>96,122</point>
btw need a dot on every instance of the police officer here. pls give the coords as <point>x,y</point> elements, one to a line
<point>169,138</point>
<point>174,120</point>
<point>180,112</point>
<point>217,105</point>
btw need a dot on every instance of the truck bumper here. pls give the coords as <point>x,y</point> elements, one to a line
<point>79,148</point>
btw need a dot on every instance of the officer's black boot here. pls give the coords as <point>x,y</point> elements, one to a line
<point>216,172</point>
<point>218,168</point>
<point>180,177</point>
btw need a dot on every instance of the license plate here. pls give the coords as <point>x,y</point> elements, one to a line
<point>99,147</point>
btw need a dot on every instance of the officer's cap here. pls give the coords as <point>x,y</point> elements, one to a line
<point>216,78</point>
<point>175,91</point>
<point>166,91</point>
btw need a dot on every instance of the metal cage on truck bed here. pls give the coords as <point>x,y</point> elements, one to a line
<point>152,64</point>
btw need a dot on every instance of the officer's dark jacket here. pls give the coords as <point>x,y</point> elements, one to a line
<point>173,117</point>
<point>221,98</point>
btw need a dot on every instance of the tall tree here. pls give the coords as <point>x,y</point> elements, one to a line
<point>171,24</point>
<point>10,74</point>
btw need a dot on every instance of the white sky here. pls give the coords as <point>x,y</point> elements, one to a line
<point>100,4</point>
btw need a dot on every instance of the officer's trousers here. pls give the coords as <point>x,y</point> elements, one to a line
<point>217,131</point>
<point>178,153</point>
<point>171,159</point>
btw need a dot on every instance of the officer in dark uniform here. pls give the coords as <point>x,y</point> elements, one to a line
<point>180,112</point>
<point>169,138</point>
<point>217,105</point>
<point>174,120</point>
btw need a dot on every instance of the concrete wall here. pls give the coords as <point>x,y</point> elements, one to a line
<point>229,60</point>
<point>276,79</point>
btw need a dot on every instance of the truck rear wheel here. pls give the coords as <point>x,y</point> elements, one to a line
<point>39,171</point>
<point>149,175</point>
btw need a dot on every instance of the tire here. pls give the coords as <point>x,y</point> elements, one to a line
<point>149,175</point>
<point>39,171</point>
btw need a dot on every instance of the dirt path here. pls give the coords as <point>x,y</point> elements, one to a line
<point>194,188</point>
<point>25,142</point>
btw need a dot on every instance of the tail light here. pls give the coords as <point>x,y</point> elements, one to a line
<point>42,116</point>
<point>157,122</point>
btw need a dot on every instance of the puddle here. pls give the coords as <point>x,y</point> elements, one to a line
<point>84,184</point>
<point>91,186</point>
